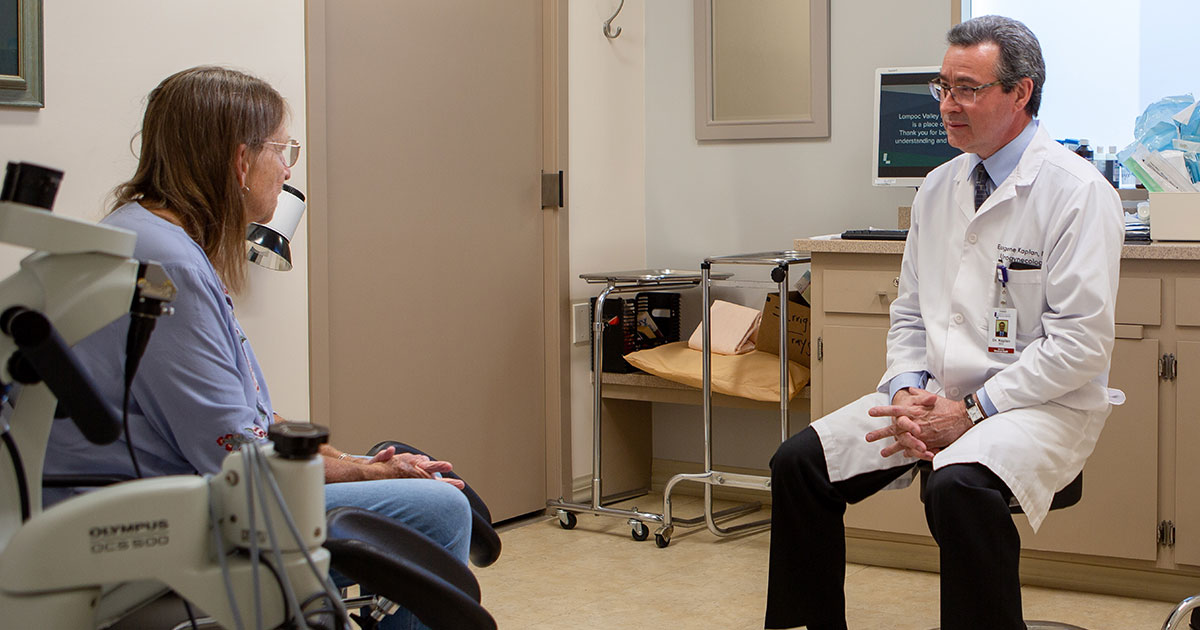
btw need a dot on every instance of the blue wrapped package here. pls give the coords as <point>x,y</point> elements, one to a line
<point>1160,111</point>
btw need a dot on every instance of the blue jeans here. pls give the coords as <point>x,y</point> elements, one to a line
<point>434,508</point>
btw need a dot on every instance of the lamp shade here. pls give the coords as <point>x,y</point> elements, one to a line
<point>270,243</point>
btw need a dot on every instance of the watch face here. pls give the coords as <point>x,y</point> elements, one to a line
<point>973,410</point>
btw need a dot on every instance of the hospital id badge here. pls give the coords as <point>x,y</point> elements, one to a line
<point>1003,331</point>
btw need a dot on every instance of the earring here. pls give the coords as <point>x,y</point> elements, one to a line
<point>245,189</point>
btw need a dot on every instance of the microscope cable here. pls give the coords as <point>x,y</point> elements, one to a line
<point>137,470</point>
<point>19,469</point>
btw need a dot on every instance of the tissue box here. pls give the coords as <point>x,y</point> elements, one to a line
<point>1175,216</point>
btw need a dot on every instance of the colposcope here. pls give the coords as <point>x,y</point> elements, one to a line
<point>243,545</point>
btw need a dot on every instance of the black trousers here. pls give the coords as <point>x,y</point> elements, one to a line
<point>966,507</point>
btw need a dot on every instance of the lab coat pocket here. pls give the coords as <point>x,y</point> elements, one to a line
<point>1026,294</point>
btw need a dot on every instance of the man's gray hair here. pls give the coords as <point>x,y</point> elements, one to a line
<point>1020,52</point>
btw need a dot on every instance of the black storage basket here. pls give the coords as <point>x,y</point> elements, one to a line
<point>622,337</point>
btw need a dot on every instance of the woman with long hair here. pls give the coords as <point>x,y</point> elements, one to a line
<point>215,153</point>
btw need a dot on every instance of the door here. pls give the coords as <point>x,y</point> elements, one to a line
<point>428,322</point>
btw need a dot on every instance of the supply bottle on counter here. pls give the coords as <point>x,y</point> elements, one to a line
<point>1084,150</point>
<point>1112,168</point>
<point>1105,161</point>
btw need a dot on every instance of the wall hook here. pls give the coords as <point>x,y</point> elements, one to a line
<point>609,31</point>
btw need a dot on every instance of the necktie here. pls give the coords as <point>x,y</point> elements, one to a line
<point>981,185</point>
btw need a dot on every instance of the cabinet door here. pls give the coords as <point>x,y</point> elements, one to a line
<point>1118,514</point>
<point>1187,463</point>
<point>855,358</point>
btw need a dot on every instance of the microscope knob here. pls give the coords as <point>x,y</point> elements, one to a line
<point>297,440</point>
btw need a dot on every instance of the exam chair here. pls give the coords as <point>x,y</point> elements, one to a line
<point>420,575</point>
<point>1068,496</point>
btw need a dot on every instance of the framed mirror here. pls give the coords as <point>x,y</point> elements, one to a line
<point>762,69</point>
<point>21,53</point>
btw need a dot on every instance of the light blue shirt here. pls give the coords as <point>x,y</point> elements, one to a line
<point>198,393</point>
<point>1003,162</point>
<point>999,166</point>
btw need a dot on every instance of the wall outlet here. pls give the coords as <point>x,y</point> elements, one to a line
<point>581,324</point>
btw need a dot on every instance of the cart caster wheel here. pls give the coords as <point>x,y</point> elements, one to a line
<point>661,541</point>
<point>567,520</point>
<point>640,531</point>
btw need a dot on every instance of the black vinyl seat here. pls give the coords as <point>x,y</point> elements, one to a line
<point>485,542</point>
<point>388,559</point>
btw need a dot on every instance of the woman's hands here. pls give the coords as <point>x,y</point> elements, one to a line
<point>923,423</point>
<point>412,466</point>
<point>386,464</point>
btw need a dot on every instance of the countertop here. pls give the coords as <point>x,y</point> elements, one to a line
<point>1159,250</point>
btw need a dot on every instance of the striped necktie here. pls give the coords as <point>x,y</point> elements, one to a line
<point>981,185</point>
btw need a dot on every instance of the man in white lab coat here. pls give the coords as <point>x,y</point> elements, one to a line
<point>998,353</point>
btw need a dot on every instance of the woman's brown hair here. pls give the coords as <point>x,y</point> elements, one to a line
<point>195,121</point>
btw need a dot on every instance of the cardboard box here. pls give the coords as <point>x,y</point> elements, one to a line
<point>1175,216</point>
<point>798,326</point>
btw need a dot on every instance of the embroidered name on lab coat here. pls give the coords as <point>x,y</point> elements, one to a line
<point>1022,257</point>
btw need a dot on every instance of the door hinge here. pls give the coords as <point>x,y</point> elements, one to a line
<point>1166,533</point>
<point>820,349</point>
<point>552,190</point>
<point>1168,367</point>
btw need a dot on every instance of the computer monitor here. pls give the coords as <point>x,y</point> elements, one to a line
<point>909,140</point>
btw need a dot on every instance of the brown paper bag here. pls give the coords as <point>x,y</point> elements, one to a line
<point>798,327</point>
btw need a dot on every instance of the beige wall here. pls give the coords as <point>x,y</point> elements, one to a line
<point>101,59</point>
<point>736,197</point>
<point>607,179</point>
<point>644,192</point>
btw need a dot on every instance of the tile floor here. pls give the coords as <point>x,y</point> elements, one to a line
<point>597,576</point>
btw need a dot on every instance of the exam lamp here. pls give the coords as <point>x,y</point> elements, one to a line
<point>270,243</point>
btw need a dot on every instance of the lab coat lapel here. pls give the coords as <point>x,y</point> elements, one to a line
<point>1026,171</point>
<point>964,190</point>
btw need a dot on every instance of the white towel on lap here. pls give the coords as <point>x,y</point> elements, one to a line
<point>734,328</point>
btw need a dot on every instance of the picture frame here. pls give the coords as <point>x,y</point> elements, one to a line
<point>21,69</point>
<point>762,69</point>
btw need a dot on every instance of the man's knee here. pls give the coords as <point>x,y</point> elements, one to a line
<point>964,487</point>
<point>798,451</point>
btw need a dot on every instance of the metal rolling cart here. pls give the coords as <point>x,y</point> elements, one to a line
<point>618,282</point>
<point>780,263</point>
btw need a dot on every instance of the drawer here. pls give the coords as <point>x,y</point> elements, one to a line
<point>1139,301</point>
<point>1187,301</point>
<point>864,291</point>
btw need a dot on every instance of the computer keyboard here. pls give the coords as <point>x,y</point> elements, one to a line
<point>875,234</point>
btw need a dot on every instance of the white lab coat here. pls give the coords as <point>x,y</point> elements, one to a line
<point>1055,212</point>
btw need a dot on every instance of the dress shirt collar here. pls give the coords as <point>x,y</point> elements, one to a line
<point>1004,162</point>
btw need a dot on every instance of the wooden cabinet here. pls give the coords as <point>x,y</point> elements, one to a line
<point>1186,521</point>
<point>851,296</point>
<point>1139,518</point>
<point>1118,514</point>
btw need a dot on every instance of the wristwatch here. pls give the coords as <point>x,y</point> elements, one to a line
<point>974,410</point>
